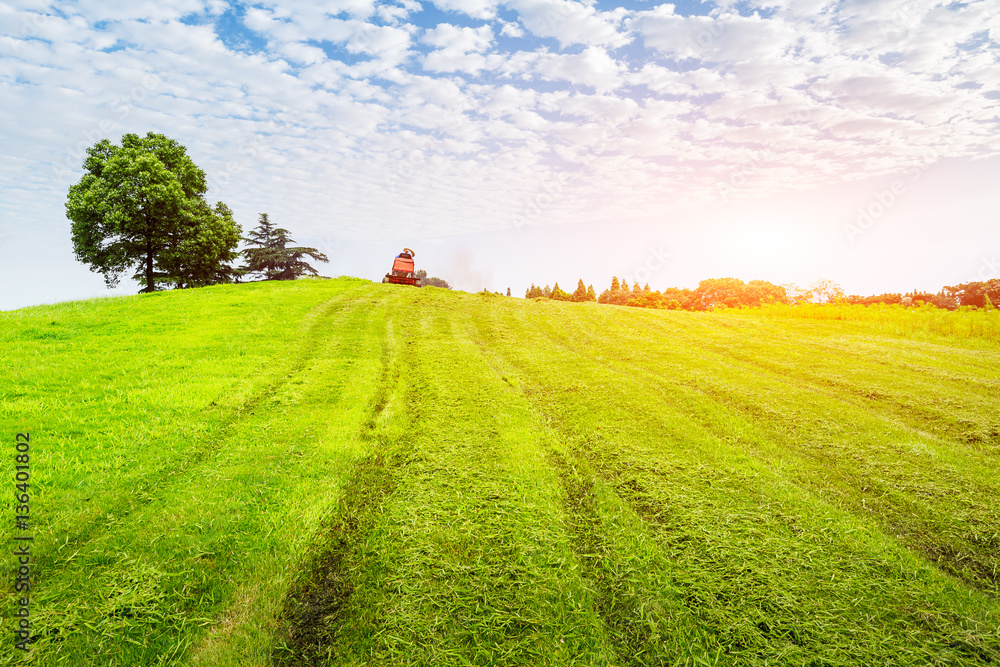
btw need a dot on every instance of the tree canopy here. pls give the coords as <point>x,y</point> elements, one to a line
<point>142,205</point>
<point>434,281</point>
<point>982,294</point>
<point>268,254</point>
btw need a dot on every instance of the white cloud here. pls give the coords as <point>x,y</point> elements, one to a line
<point>463,40</point>
<point>726,37</point>
<point>571,22</point>
<point>478,9</point>
<point>458,49</point>
<point>699,82</point>
<point>301,53</point>
<point>306,11</point>
<point>511,30</point>
<point>593,67</point>
<point>151,10</point>
<point>603,108</point>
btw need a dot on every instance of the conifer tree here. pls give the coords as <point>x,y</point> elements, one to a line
<point>580,294</point>
<point>269,256</point>
<point>636,290</point>
<point>559,294</point>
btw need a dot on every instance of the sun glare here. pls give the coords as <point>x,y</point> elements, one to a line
<point>764,239</point>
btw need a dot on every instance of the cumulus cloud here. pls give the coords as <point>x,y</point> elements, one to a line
<point>479,9</point>
<point>463,40</point>
<point>726,37</point>
<point>458,49</point>
<point>571,22</point>
<point>593,67</point>
<point>511,30</point>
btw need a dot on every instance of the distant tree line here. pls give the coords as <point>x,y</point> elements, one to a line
<point>716,293</point>
<point>710,294</point>
<point>977,294</point>
<point>728,292</point>
<point>580,294</point>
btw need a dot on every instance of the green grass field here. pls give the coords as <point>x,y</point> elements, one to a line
<point>349,473</point>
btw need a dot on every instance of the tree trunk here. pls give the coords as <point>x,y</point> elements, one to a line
<point>149,267</point>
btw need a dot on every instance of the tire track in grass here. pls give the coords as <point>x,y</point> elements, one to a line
<point>945,393</point>
<point>468,562</point>
<point>653,618</point>
<point>318,555</point>
<point>643,614</point>
<point>936,500</point>
<point>316,604</point>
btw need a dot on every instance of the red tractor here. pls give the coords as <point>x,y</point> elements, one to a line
<point>402,269</point>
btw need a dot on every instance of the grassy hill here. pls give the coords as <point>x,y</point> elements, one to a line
<point>342,472</point>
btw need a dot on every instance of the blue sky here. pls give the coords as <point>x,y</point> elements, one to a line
<point>530,140</point>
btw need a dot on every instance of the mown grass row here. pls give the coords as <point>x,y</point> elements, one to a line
<point>355,474</point>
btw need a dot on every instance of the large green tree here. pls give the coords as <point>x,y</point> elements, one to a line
<point>142,205</point>
<point>268,254</point>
